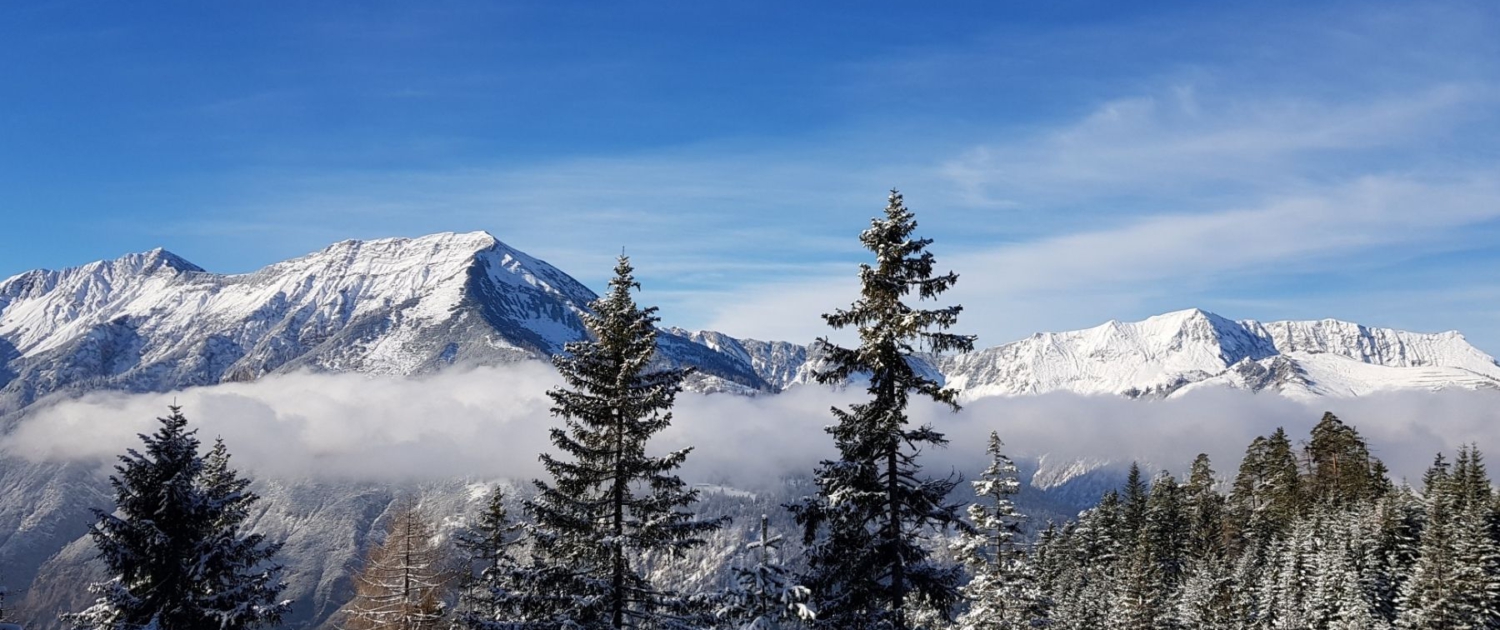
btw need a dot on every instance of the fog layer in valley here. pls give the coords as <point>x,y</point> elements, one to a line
<point>492,422</point>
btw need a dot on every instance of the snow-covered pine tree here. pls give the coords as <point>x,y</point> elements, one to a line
<point>1133,505</point>
<point>765,596</point>
<point>1337,598</point>
<point>1205,513</point>
<point>1154,566</point>
<point>1087,554</point>
<point>175,544</point>
<point>1047,566</point>
<point>1207,595</point>
<point>1002,590</point>
<point>1477,558</point>
<point>1432,596</point>
<point>1339,467</point>
<point>1267,495</point>
<point>1288,577</point>
<point>238,574</point>
<point>1207,599</point>
<point>865,559</point>
<point>405,578</point>
<point>1252,568</point>
<point>609,502</point>
<point>488,595</point>
<point>1394,550</point>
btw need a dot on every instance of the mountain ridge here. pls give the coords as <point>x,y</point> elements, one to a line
<point>153,321</point>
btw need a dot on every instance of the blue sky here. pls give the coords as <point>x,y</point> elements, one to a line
<point>1075,161</point>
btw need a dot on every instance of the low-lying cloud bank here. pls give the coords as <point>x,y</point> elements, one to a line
<point>493,422</point>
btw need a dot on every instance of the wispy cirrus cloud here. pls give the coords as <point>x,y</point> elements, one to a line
<point>1169,200</point>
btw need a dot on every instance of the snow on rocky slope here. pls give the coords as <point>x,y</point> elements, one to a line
<point>1173,353</point>
<point>155,322</point>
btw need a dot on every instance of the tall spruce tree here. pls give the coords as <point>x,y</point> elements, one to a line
<point>1475,552</point>
<point>866,560</point>
<point>1002,590</point>
<point>1433,596</point>
<point>175,543</point>
<point>1133,507</point>
<point>1395,547</point>
<point>609,502</point>
<point>1207,598</point>
<point>1207,538</point>
<point>1155,564</point>
<point>1086,555</point>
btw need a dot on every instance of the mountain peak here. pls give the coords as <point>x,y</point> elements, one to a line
<point>1189,315</point>
<point>151,260</point>
<point>464,242</point>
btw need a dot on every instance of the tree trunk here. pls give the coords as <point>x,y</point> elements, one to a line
<point>893,534</point>
<point>618,577</point>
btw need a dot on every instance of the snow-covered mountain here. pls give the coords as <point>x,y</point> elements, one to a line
<point>1176,352</point>
<point>155,322</point>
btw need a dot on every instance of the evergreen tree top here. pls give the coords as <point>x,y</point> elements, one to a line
<point>174,543</point>
<point>889,329</point>
<point>869,566</point>
<point>610,506</point>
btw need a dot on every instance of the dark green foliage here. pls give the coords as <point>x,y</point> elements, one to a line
<point>1205,513</point>
<point>609,502</point>
<point>490,596</point>
<point>1340,470</point>
<point>175,542</point>
<point>864,528</point>
<point>1267,494</point>
<point>1133,504</point>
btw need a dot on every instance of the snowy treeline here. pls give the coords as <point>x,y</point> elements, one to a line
<point>1314,536</point>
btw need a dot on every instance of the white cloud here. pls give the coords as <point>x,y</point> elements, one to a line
<point>1176,142</point>
<point>493,422</point>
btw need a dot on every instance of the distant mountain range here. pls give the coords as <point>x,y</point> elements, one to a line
<point>155,322</point>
